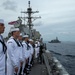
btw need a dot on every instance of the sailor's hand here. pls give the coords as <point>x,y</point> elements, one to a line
<point>21,63</point>
<point>26,60</point>
<point>16,69</point>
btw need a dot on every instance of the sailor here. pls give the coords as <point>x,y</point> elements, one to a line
<point>31,52</point>
<point>38,46</point>
<point>21,54</point>
<point>41,52</point>
<point>13,52</point>
<point>21,48</point>
<point>2,49</point>
<point>26,53</point>
<point>36,49</point>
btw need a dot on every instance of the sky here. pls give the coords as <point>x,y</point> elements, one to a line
<point>57,17</point>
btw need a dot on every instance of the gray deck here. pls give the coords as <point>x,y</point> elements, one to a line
<point>38,69</point>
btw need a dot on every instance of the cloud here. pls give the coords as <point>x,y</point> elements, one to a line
<point>57,16</point>
<point>63,33</point>
<point>39,23</point>
<point>10,5</point>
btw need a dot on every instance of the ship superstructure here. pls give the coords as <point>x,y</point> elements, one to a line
<point>27,28</point>
<point>25,23</point>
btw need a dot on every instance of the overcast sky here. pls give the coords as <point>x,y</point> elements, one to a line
<point>58,17</point>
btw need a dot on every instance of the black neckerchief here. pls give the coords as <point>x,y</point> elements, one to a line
<point>27,45</point>
<point>17,42</point>
<point>21,43</point>
<point>4,45</point>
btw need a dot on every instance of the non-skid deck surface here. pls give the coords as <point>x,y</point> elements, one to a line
<point>38,69</point>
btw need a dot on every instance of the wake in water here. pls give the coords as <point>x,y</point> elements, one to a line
<point>55,52</point>
<point>72,56</point>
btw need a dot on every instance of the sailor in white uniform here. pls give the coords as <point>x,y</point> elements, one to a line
<point>13,52</point>
<point>36,49</point>
<point>2,49</point>
<point>26,52</point>
<point>31,51</point>
<point>21,54</point>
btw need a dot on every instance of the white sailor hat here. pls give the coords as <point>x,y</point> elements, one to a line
<point>1,21</point>
<point>14,29</point>
<point>25,36</point>
<point>30,40</point>
<point>20,34</point>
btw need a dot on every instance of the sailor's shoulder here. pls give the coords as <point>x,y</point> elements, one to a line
<point>10,41</point>
<point>23,42</point>
<point>29,44</point>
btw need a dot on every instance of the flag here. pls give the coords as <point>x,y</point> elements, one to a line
<point>13,22</point>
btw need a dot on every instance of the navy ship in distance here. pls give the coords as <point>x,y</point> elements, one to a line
<point>55,40</point>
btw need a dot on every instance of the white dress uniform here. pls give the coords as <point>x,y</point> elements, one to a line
<point>21,59</point>
<point>26,51</point>
<point>2,59</point>
<point>21,53</point>
<point>31,49</point>
<point>36,50</point>
<point>13,56</point>
<point>2,52</point>
<point>26,54</point>
<point>31,52</point>
<point>38,46</point>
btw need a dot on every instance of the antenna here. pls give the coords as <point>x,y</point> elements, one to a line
<point>29,3</point>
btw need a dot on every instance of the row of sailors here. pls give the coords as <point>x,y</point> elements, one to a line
<point>19,53</point>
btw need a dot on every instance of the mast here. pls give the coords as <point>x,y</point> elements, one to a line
<point>29,18</point>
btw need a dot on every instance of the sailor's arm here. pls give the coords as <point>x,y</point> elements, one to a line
<point>21,56</point>
<point>0,48</point>
<point>11,53</point>
<point>24,50</point>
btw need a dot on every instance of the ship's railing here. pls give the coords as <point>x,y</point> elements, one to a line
<point>62,70</point>
<point>54,67</point>
<point>47,64</point>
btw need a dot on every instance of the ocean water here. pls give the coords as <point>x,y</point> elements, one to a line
<point>65,53</point>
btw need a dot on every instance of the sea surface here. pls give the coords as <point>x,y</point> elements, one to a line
<point>65,53</point>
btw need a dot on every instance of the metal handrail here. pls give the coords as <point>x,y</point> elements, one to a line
<point>47,64</point>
